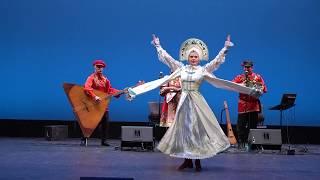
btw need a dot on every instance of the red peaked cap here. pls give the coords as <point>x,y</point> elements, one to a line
<point>99,62</point>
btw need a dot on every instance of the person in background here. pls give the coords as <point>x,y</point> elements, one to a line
<point>249,107</point>
<point>171,92</point>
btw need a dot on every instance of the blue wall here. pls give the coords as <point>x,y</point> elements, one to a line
<point>45,43</point>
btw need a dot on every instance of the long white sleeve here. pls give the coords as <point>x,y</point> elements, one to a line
<point>165,58</point>
<point>229,85</point>
<point>215,63</point>
<point>152,84</point>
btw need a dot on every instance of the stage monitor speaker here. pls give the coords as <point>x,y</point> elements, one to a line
<point>55,132</point>
<point>137,136</point>
<point>265,139</point>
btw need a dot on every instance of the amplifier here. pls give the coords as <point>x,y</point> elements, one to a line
<point>265,138</point>
<point>137,136</point>
<point>55,132</point>
<point>137,133</point>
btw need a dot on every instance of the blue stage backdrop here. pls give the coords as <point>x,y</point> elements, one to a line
<point>46,43</point>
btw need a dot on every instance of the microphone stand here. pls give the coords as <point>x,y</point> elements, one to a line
<point>247,84</point>
<point>159,100</point>
<point>222,110</point>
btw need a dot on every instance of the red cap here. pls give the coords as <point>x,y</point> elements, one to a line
<point>99,62</point>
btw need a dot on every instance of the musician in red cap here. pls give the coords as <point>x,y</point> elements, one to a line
<point>249,107</point>
<point>99,82</point>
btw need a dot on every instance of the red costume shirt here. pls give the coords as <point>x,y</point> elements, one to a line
<point>98,82</point>
<point>248,103</point>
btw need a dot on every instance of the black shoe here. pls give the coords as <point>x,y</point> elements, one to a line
<point>84,141</point>
<point>104,143</point>
<point>186,164</point>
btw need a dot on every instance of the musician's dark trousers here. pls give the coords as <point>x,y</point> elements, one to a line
<point>246,121</point>
<point>104,126</point>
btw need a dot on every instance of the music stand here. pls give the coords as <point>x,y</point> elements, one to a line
<point>287,102</point>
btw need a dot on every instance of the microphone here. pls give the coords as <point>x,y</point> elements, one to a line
<point>246,81</point>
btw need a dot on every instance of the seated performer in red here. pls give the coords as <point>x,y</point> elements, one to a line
<point>99,82</point>
<point>249,107</point>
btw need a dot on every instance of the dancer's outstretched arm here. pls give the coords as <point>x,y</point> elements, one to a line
<point>220,58</point>
<point>164,56</point>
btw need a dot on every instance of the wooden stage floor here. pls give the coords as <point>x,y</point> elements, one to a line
<point>37,158</point>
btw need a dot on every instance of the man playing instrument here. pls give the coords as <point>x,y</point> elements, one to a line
<point>99,82</point>
<point>249,107</point>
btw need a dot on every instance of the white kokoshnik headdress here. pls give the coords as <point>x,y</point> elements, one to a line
<point>196,45</point>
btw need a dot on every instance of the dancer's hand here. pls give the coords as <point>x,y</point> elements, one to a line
<point>228,42</point>
<point>130,94</point>
<point>140,82</point>
<point>155,41</point>
<point>128,97</point>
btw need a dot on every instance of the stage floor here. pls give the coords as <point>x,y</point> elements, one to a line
<point>37,158</point>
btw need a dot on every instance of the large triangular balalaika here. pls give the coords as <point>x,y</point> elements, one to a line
<point>87,112</point>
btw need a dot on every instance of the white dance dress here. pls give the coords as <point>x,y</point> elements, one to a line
<point>195,133</point>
